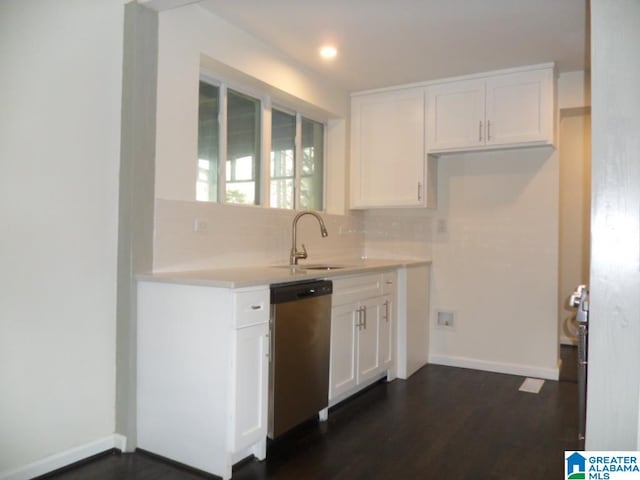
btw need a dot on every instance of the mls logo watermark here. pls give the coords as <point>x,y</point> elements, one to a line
<point>574,466</point>
<point>601,465</point>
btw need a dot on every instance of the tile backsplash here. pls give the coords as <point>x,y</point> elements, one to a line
<point>201,235</point>
<point>398,233</point>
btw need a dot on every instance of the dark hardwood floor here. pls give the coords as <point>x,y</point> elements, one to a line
<point>443,423</point>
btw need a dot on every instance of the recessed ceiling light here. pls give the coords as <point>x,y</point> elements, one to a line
<point>328,52</point>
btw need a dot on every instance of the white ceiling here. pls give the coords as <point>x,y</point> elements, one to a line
<point>390,42</point>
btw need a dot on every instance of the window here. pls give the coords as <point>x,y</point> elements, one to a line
<point>283,169</point>
<point>243,149</point>
<point>230,170</point>
<point>312,175</point>
<point>288,158</point>
<point>208,143</point>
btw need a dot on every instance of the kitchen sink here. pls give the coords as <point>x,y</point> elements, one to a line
<point>322,267</point>
<point>315,266</point>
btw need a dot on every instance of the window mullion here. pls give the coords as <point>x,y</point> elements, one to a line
<point>266,152</point>
<point>297,162</point>
<point>222,142</point>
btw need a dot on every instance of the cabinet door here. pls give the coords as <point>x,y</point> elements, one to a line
<point>455,115</point>
<point>388,156</point>
<point>251,373</point>
<point>519,108</point>
<point>368,321</point>
<point>342,376</point>
<point>385,352</point>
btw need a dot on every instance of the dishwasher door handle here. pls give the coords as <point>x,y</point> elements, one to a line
<point>307,293</point>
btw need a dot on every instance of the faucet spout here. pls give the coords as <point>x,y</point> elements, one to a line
<point>298,254</point>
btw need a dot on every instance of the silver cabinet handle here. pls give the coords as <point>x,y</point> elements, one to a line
<point>256,307</point>
<point>480,131</point>
<point>364,311</point>
<point>419,191</point>
<point>386,310</point>
<point>488,130</point>
<point>359,318</point>
<point>269,347</point>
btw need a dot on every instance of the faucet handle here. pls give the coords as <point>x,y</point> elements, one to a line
<point>303,254</point>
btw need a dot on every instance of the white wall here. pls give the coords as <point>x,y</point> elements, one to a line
<point>60,91</point>
<point>191,33</point>
<point>574,90</point>
<point>496,265</point>
<point>613,396</point>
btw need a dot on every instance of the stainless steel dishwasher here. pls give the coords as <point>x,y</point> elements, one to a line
<point>300,328</point>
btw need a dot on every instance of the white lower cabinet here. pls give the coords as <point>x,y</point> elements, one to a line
<point>249,422</point>
<point>368,344</point>
<point>362,333</point>
<point>202,370</point>
<point>343,376</point>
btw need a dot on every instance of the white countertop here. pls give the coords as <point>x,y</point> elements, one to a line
<point>266,275</point>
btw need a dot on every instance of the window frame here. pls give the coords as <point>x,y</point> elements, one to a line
<point>259,151</point>
<point>288,111</point>
<point>324,158</point>
<point>266,107</point>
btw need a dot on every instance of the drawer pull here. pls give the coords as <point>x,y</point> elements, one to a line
<point>256,307</point>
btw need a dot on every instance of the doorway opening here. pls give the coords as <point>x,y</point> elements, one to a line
<point>575,213</point>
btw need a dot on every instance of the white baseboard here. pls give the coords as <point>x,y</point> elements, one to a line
<point>497,367</point>
<point>65,458</point>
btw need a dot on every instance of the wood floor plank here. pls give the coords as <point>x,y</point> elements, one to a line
<point>442,423</point>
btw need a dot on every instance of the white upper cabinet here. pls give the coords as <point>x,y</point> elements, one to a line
<point>387,149</point>
<point>456,115</point>
<point>494,111</point>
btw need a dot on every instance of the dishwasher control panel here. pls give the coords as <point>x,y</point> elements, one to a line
<point>288,292</point>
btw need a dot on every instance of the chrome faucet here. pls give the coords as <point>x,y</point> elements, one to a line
<point>295,253</point>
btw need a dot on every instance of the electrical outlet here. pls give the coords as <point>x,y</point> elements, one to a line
<point>445,319</point>
<point>200,226</point>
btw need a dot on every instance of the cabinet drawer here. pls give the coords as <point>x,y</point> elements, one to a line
<point>251,307</point>
<point>353,289</point>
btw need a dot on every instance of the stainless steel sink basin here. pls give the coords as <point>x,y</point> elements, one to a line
<point>315,266</point>
<point>322,267</point>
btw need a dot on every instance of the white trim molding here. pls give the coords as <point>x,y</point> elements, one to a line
<point>63,459</point>
<point>497,367</point>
